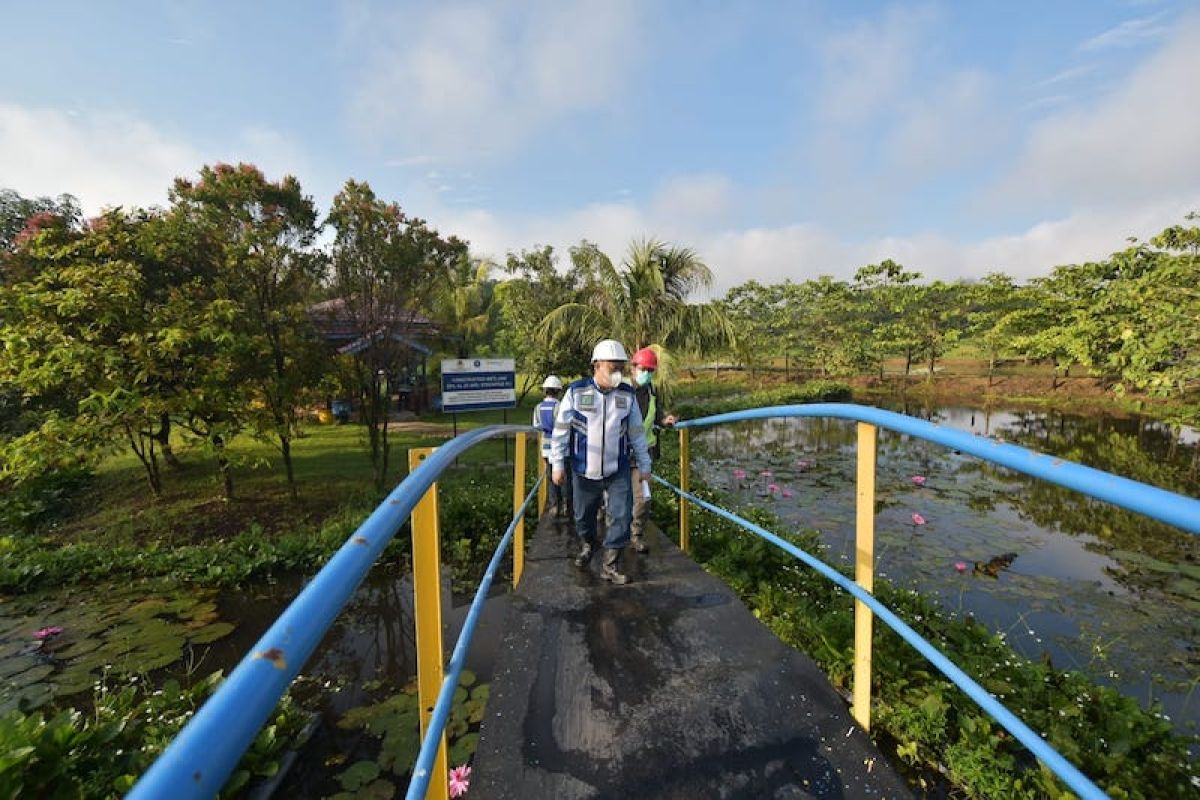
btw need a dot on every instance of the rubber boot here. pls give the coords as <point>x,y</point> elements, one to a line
<point>639,543</point>
<point>584,557</point>
<point>612,559</point>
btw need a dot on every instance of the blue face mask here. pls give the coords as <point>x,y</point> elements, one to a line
<point>643,377</point>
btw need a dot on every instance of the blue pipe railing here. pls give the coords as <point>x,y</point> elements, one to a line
<point>1159,504</point>
<point>1064,769</point>
<point>200,759</point>
<point>1174,509</point>
<point>419,784</point>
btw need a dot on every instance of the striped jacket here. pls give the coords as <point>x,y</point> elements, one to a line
<point>543,420</point>
<point>597,430</point>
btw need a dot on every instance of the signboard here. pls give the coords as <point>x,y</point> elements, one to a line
<point>475,384</point>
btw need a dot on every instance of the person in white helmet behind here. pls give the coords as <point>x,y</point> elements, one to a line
<point>597,428</point>
<point>558,498</point>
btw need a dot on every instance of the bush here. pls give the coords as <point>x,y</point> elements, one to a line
<point>811,392</point>
<point>28,504</point>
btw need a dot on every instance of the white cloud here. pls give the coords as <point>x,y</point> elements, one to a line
<point>1130,33</point>
<point>103,158</point>
<point>480,79</point>
<point>1135,144</point>
<point>110,158</point>
<point>805,250</point>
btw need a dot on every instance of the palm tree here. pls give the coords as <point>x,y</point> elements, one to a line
<point>463,303</point>
<point>643,302</point>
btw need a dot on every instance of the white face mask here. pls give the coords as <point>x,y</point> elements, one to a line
<point>614,378</point>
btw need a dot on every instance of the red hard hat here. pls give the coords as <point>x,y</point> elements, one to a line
<point>645,358</point>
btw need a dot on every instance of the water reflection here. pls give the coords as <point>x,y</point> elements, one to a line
<point>369,654</point>
<point>1090,586</point>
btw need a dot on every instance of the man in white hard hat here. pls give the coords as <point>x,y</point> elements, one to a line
<point>597,427</point>
<point>559,497</point>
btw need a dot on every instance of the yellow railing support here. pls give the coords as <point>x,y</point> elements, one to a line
<point>427,611</point>
<point>543,470</point>
<point>864,573</point>
<point>518,501</point>
<point>684,463</point>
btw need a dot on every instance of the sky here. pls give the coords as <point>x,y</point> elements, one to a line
<point>775,139</point>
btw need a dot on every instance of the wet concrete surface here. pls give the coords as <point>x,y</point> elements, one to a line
<point>667,687</point>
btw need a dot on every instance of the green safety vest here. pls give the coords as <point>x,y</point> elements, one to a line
<point>648,422</point>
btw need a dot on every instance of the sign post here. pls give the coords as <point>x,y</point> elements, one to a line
<point>478,384</point>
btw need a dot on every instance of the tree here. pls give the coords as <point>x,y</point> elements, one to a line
<point>80,329</point>
<point>991,307</point>
<point>889,302</point>
<point>258,233</point>
<point>643,302</point>
<point>522,302</point>
<point>385,268</point>
<point>462,303</point>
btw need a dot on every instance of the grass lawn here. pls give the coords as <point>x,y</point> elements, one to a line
<point>333,474</point>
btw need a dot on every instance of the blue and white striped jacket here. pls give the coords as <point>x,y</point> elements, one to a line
<point>597,429</point>
<point>543,420</point>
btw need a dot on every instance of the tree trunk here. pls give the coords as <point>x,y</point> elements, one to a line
<point>991,369</point>
<point>143,448</point>
<point>285,447</point>
<point>224,467</point>
<point>163,435</point>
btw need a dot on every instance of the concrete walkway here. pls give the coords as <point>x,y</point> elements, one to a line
<point>665,688</point>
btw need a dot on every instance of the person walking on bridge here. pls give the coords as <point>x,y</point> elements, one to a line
<point>558,497</point>
<point>645,362</point>
<point>598,428</point>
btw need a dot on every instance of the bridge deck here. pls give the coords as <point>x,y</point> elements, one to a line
<point>667,688</point>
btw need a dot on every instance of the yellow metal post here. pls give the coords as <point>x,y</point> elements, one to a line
<point>543,470</point>
<point>684,462</point>
<point>518,500</point>
<point>864,573</point>
<point>427,610</point>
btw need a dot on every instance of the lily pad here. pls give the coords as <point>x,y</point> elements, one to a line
<point>381,789</point>
<point>218,630</point>
<point>26,699</point>
<point>462,750</point>
<point>358,775</point>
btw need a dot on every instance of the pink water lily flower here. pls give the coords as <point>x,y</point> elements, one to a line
<point>47,632</point>
<point>918,519</point>
<point>919,480</point>
<point>787,492</point>
<point>766,473</point>
<point>960,567</point>
<point>772,488</point>
<point>804,463</point>
<point>739,473</point>
<point>460,780</point>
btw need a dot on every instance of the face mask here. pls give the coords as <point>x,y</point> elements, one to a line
<point>643,378</point>
<point>614,378</point>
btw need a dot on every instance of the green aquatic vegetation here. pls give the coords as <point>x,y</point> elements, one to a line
<point>100,754</point>
<point>120,631</point>
<point>396,720</point>
<point>1130,752</point>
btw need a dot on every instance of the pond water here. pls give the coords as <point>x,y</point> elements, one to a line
<point>55,645</point>
<point>1089,586</point>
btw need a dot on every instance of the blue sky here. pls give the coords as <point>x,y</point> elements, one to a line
<point>786,139</point>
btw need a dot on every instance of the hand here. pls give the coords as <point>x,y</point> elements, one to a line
<point>559,476</point>
<point>669,420</point>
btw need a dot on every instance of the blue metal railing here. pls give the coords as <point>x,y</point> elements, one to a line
<point>419,784</point>
<point>1156,503</point>
<point>1174,509</point>
<point>202,756</point>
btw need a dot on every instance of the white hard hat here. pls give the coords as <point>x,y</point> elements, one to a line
<point>609,350</point>
<point>552,382</point>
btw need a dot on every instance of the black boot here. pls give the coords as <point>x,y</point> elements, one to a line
<point>584,557</point>
<point>612,559</point>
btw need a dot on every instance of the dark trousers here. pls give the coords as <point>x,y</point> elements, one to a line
<point>589,494</point>
<point>555,494</point>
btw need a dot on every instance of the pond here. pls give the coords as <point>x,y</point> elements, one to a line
<point>54,646</point>
<point>1087,585</point>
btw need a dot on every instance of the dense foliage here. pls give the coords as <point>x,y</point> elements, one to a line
<point>934,728</point>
